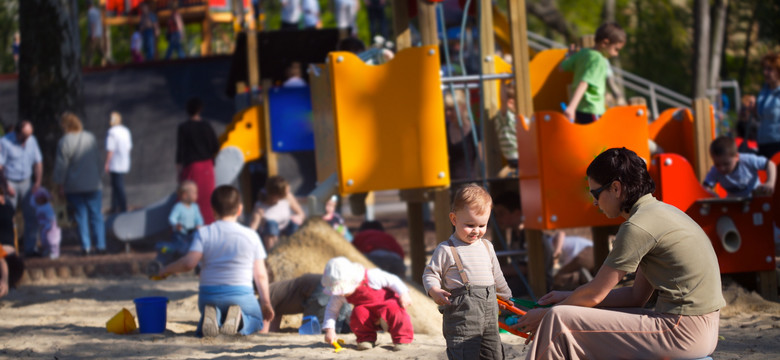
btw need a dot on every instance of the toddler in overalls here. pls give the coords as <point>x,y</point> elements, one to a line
<point>375,294</point>
<point>464,278</point>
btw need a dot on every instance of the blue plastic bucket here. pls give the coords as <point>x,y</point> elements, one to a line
<point>310,326</point>
<point>152,314</point>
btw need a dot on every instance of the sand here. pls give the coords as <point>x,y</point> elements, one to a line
<point>64,318</point>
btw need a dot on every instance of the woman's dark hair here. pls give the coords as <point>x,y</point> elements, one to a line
<point>194,106</point>
<point>625,166</point>
<point>371,225</point>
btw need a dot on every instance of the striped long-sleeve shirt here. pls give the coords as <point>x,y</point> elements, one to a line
<point>481,266</point>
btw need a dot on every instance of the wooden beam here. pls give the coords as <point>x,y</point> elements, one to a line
<point>271,158</point>
<point>401,31</point>
<point>702,123</point>
<point>768,284</point>
<point>588,41</point>
<point>414,215</point>
<point>520,56</point>
<point>601,236</point>
<point>205,45</point>
<point>426,17</point>
<point>441,214</point>
<point>253,61</point>
<point>487,50</point>
<point>537,271</point>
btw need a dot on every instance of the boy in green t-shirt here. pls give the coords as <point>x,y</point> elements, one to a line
<point>590,67</point>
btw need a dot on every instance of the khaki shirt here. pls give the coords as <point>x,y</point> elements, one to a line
<point>675,256</point>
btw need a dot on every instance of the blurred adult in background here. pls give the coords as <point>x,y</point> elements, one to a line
<point>175,32</point>
<point>196,146</point>
<point>291,14</point>
<point>22,165</point>
<point>119,142</point>
<point>345,12</point>
<point>311,14</point>
<point>150,29</point>
<point>95,30</point>
<point>77,171</point>
<point>767,108</point>
<point>376,18</point>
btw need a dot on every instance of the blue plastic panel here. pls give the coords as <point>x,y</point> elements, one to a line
<point>291,119</point>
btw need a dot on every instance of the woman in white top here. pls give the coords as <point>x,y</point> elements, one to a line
<point>119,142</point>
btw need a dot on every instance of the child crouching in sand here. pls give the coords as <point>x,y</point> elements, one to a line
<point>230,256</point>
<point>375,294</point>
<point>464,278</point>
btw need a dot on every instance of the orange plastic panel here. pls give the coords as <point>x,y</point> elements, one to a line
<point>548,82</point>
<point>753,221</point>
<point>675,182</point>
<point>555,194</point>
<point>673,132</point>
<point>390,131</point>
<point>246,133</point>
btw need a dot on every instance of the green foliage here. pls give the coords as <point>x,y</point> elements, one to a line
<point>9,24</point>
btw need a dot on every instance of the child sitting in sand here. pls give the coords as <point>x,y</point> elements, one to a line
<point>47,223</point>
<point>376,295</point>
<point>230,256</point>
<point>185,216</point>
<point>277,212</point>
<point>736,172</point>
<point>334,219</point>
<point>464,278</point>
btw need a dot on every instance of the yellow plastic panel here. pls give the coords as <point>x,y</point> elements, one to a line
<point>245,133</point>
<point>548,83</point>
<point>324,129</point>
<point>389,118</point>
<point>565,151</point>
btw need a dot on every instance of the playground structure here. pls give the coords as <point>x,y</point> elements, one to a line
<point>205,12</point>
<point>381,127</point>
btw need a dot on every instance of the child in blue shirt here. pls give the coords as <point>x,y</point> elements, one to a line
<point>185,216</point>
<point>737,173</point>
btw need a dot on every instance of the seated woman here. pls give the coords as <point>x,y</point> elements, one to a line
<point>669,252</point>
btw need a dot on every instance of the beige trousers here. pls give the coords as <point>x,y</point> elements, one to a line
<point>574,332</point>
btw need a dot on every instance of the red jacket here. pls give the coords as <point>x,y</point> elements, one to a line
<point>367,241</point>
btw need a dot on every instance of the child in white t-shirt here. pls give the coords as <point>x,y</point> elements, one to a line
<point>277,212</point>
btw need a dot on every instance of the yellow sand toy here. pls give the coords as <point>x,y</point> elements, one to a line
<point>337,345</point>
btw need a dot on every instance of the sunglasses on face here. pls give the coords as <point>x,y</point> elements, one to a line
<point>597,192</point>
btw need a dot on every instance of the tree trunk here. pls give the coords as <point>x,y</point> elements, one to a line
<point>49,69</point>
<point>701,47</point>
<point>718,31</point>
<point>748,43</point>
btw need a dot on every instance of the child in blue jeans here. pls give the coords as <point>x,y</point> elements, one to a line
<point>231,256</point>
<point>277,212</point>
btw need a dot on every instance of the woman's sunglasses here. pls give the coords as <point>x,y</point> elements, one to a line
<point>598,191</point>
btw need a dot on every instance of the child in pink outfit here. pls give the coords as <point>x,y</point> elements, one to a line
<point>376,296</point>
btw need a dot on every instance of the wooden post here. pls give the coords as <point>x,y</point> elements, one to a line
<point>768,284</point>
<point>441,214</point>
<point>414,215</point>
<point>588,41</point>
<point>271,157</point>
<point>537,272</point>
<point>703,132</point>
<point>401,31</point>
<point>637,100</point>
<point>426,17</point>
<point>520,56</point>
<point>601,243</point>
<point>205,45</point>
<point>253,62</point>
<point>487,50</point>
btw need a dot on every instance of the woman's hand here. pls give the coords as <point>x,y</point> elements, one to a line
<point>330,335</point>
<point>553,297</point>
<point>530,321</point>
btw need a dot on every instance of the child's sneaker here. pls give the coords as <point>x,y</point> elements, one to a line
<point>365,345</point>
<point>210,328</point>
<point>233,318</point>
